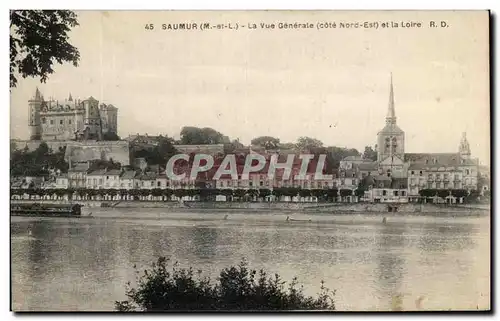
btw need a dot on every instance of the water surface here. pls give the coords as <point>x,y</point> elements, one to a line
<point>412,262</point>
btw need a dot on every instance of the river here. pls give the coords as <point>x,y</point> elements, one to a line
<point>410,263</point>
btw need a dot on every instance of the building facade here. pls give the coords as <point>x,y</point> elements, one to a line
<point>414,171</point>
<point>70,119</point>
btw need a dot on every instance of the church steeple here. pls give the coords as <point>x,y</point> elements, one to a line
<point>70,98</point>
<point>38,95</point>
<point>464,148</point>
<point>390,119</point>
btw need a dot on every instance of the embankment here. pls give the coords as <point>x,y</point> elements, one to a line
<point>278,206</point>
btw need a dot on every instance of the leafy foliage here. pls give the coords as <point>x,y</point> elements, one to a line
<point>38,162</point>
<point>199,136</point>
<point>159,155</point>
<point>110,136</point>
<point>38,39</point>
<point>266,142</point>
<point>237,288</point>
<point>370,153</point>
<point>305,143</point>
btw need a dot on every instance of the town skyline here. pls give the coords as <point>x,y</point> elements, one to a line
<point>340,99</point>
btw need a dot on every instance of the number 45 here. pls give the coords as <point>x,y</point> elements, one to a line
<point>150,26</point>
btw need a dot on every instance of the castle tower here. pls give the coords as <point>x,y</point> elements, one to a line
<point>92,119</point>
<point>391,138</point>
<point>34,124</point>
<point>464,148</point>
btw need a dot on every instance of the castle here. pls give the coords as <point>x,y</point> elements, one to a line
<point>70,119</point>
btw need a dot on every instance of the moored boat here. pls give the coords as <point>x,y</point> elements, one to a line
<point>47,210</point>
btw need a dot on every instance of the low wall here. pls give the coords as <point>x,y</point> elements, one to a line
<point>82,151</point>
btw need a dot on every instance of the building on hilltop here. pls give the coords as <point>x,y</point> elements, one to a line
<point>71,119</point>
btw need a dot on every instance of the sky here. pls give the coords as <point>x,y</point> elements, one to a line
<point>330,84</point>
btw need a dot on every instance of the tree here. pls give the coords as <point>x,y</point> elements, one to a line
<point>267,142</point>
<point>199,136</point>
<point>232,146</point>
<point>370,154</point>
<point>308,143</point>
<point>38,39</point>
<point>238,288</point>
<point>110,136</point>
<point>287,146</point>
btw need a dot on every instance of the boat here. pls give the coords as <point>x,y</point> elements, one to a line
<point>46,210</point>
<point>288,219</point>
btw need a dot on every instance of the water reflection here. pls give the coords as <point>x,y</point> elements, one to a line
<point>84,264</point>
<point>205,242</point>
<point>391,265</point>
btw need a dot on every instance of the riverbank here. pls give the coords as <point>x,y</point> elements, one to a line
<point>281,206</point>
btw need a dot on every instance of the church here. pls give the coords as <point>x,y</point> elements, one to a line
<point>411,172</point>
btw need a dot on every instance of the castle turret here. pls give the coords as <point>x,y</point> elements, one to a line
<point>464,148</point>
<point>92,119</point>
<point>34,124</point>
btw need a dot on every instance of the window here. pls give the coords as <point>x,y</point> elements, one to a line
<point>52,122</point>
<point>427,161</point>
<point>158,184</point>
<point>413,172</point>
<point>250,183</point>
<point>384,192</point>
<point>69,121</point>
<point>394,143</point>
<point>403,193</point>
<point>61,122</point>
<point>44,120</point>
<point>396,193</point>
<point>261,183</point>
<point>421,173</point>
<point>107,177</point>
<point>466,172</point>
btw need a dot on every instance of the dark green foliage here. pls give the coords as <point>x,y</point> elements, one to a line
<point>236,289</point>
<point>345,192</point>
<point>159,155</point>
<point>359,192</point>
<point>308,143</point>
<point>370,153</point>
<point>38,39</point>
<point>200,136</point>
<point>104,164</point>
<point>427,192</point>
<point>37,162</point>
<point>266,142</point>
<point>110,136</point>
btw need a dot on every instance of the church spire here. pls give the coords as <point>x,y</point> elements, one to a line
<point>391,112</point>
<point>70,98</point>
<point>38,95</point>
<point>464,148</point>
